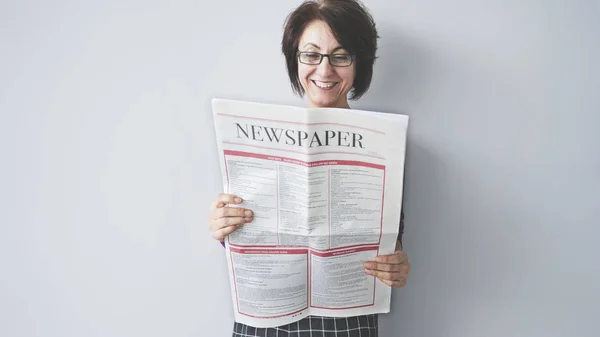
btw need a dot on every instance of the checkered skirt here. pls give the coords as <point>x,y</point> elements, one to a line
<point>315,326</point>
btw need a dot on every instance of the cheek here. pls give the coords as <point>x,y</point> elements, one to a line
<point>347,76</point>
<point>303,73</point>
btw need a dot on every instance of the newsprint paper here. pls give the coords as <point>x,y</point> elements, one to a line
<point>325,186</point>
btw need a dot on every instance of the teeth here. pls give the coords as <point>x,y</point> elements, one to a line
<point>324,85</point>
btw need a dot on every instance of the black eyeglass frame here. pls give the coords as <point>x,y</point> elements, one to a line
<point>299,53</point>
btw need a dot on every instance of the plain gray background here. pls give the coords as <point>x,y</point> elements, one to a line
<point>109,162</point>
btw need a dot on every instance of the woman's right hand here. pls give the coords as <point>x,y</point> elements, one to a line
<point>223,220</point>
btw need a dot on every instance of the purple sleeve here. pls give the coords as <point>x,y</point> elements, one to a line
<point>223,244</point>
<point>401,230</point>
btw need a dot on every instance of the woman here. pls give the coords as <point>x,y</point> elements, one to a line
<point>329,47</point>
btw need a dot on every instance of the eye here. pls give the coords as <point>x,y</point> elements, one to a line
<point>341,57</point>
<point>312,56</point>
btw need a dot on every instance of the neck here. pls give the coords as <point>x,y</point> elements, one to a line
<point>340,105</point>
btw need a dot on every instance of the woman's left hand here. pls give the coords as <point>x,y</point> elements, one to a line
<point>390,269</point>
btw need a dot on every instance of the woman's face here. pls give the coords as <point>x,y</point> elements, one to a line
<point>324,84</point>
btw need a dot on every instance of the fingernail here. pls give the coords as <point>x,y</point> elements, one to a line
<point>248,219</point>
<point>238,200</point>
<point>248,213</point>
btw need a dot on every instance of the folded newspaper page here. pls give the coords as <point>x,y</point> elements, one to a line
<point>325,186</point>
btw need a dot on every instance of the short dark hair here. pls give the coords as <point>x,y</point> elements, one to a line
<point>351,24</point>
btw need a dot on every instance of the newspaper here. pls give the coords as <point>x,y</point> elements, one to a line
<point>325,186</point>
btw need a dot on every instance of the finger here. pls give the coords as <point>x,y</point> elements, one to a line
<point>230,221</point>
<point>402,269</point>
<point>383,275</point>
<point>390,276</point>
<point>396,258</point>
<point>224,199</point>
<point>392,281</point>
<point>389,283</point>
<point>232,211</point>
<point>383,266</point>
<point>220,234</point>
<point>395,284</point>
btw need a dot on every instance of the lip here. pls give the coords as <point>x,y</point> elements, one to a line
<point>334,83</point>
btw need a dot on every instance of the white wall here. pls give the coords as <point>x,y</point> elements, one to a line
<point>108,162</point>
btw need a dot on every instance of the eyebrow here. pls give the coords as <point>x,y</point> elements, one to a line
<point>314,45</point>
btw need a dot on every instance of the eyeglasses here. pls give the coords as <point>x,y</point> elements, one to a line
<point>336,60</point>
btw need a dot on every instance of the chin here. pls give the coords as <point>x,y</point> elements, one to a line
<point>321,104</point>
<point>324,102</point>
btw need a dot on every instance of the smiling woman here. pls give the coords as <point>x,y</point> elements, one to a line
<point>329,48</point>
<point>341,31</point>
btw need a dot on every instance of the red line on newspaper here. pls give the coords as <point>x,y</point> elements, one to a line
<point>375,279</point>
<point>277,198</point>
<point>278,316</point>
<point>310,282</point>
<point>227,176</point>
<point>329,207</point>
<point>291,251</point>
<point>345,308</point>
<point>300,162</point>
<point>226,171</point>
<point>237,300</point>
<point>306,246</point>
<point>382,203</point>
<point>375,283</point>
<point>308,286</point>
<point>304,153</point>
<point>345,251</point>
<point>300,123</point>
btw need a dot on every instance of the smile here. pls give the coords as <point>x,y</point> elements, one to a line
<point>324,85</point>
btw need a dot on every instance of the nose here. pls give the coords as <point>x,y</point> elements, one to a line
<point>324,69</point>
